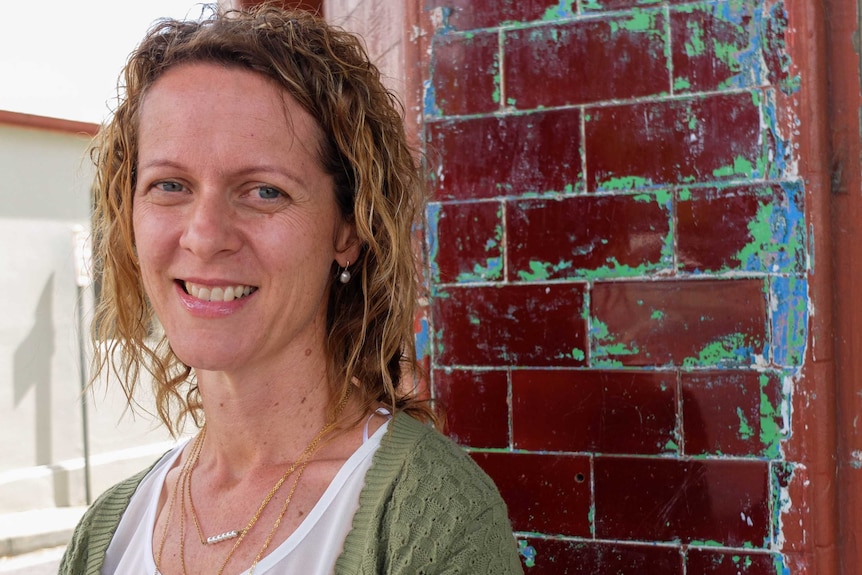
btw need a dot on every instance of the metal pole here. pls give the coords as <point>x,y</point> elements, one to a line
<point>83,259</point>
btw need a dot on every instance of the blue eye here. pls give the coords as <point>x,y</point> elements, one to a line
<point>169,186</point>
<point>268,193</point>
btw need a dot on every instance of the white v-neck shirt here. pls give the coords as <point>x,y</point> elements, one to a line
<point>311,550</point>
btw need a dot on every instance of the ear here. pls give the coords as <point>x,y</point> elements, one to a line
<point>347,243</point>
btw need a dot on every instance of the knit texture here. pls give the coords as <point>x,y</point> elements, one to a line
<point>426,509</point>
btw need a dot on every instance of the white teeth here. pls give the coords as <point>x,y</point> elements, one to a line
<point>228,293</point>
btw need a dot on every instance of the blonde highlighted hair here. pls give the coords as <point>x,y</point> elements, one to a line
<point>378,186</point>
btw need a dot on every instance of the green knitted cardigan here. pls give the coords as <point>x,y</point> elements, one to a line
<point>426,508</point>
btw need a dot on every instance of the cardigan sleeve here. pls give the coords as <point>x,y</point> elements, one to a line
<point>85,553</point>
<point>428,509</point>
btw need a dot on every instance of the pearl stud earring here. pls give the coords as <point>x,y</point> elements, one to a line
<point>345,274</point>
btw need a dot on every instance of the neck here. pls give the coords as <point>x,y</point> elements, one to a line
<point>258,421</point>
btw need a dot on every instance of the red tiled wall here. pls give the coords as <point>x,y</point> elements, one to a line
<point>618,259</point>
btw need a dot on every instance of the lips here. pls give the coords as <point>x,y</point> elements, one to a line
<point>217,293</point>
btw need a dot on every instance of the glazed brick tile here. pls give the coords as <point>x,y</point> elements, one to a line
<point>514,154</point>
<point>545,493</point>
<point>690,323</point>
<point>587,61</point>
<point>737,562</point>
<point>588,236</point>
<point>673,142</point>
<point>716,46</point>
<point>472,14</point>
<point>524,325</point>
<point>466,242</point>
<point>572,557</point>
<point>750,228</point>
<point>719,502</point>
<point>475,405</point>
<point>732,413</point>
<point>594,411</point>
<point>465,69</point>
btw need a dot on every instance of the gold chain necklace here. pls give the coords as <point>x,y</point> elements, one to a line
<point>195,451</point>
<point>184,484</point>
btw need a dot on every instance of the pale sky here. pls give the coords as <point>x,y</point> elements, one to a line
<point>62,58</point>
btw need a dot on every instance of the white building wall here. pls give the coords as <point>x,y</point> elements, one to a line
<point>44,196</point>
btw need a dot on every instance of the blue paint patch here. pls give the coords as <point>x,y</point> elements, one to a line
<point>528,552</point>
<point>430,101</point>
<point>748,60</point>
<point>423,340</point>
<point>432,215</point>
<point>777,154</point>
<point>565,9</point>
<point>789,299</point>
<point>778,234</point>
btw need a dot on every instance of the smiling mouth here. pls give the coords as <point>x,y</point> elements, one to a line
<point>210,293</point>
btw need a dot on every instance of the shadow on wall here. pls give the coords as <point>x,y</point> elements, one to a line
<point>32,370</point>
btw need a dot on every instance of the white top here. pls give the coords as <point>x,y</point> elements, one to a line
<point>311,550</point>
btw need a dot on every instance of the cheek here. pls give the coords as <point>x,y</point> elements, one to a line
<point>150,244</point>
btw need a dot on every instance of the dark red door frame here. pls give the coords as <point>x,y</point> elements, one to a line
<point>844,99</point>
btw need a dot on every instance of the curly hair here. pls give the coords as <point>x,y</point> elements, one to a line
<point>378,187</point>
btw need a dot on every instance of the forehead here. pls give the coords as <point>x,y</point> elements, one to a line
<point>201,102</point>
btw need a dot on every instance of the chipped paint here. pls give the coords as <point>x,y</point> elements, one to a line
<point>430,101</point>
<point>745,431</point>
<point>624,183</point>
<point>730,350</point>
<point>604,348</point>
<point>433,212</point>
<point>777,234</point>
<point>639,21</point>
<point>565,9</point>
<point>771,419</point>
<point>542,270</point>
<point>745,41</point>
<point>789,310</point>
<point>528,552</point>
<point>422,339</point>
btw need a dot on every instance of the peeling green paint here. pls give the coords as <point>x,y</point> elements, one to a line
<point>625,183</point>
<point>770,429</point>
<point>745,431</point>
<point>777,235</point>
<point>681,84</point>
<point>639,21</point>
<point>671,446</point>
<point>604,347</point>
<point>657,315</point>
<point>729,349</point>
<point>542,270</point>
<point>527,551</point>
<point>578,354</point>
<point>492,270</point>
<point>685,194</point>
<point>695,45</point>
<point>706,543</point>
<point>741,167</point>
<point>565,9</point>
<point>662,197</point>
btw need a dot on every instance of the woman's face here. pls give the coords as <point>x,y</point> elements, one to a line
<point>236,224</point>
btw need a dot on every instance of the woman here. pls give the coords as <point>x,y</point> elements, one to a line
<point>255,195</point>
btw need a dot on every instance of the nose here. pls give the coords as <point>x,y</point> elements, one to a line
<point>211,227</point>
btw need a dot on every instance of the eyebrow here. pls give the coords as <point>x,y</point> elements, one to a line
<point>256,169</point>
